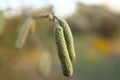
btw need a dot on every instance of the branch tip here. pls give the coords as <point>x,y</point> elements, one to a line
<point>51,16</point>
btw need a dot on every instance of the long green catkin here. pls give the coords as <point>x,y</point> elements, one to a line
<point>23,34</point>
<point>68,38</point>
<point>62,51</point>
<point>1,22</point>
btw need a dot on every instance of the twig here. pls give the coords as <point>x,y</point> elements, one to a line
<point>50,16</point>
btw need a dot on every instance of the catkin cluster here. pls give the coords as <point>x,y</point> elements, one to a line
<point>63,52</point>
<point>64,43</point>
<point>68,38</point>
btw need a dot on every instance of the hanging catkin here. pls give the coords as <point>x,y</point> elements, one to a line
<point>23,34</point>
<point>62,51</point>
<point>68,38</point>
<point>2,19</point>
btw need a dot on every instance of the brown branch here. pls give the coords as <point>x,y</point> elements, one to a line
<point>51,16</point>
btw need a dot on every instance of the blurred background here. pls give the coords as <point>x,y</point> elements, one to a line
<point>96,30</point>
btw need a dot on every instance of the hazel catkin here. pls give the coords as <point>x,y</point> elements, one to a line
<point>2,20</point>
<point>44,65</point>
<point>68,38</point>
<point>62,51</point>
<point>23,34</point>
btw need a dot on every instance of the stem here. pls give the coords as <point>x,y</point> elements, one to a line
<point>51,16</point>
<point>38,16</point>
